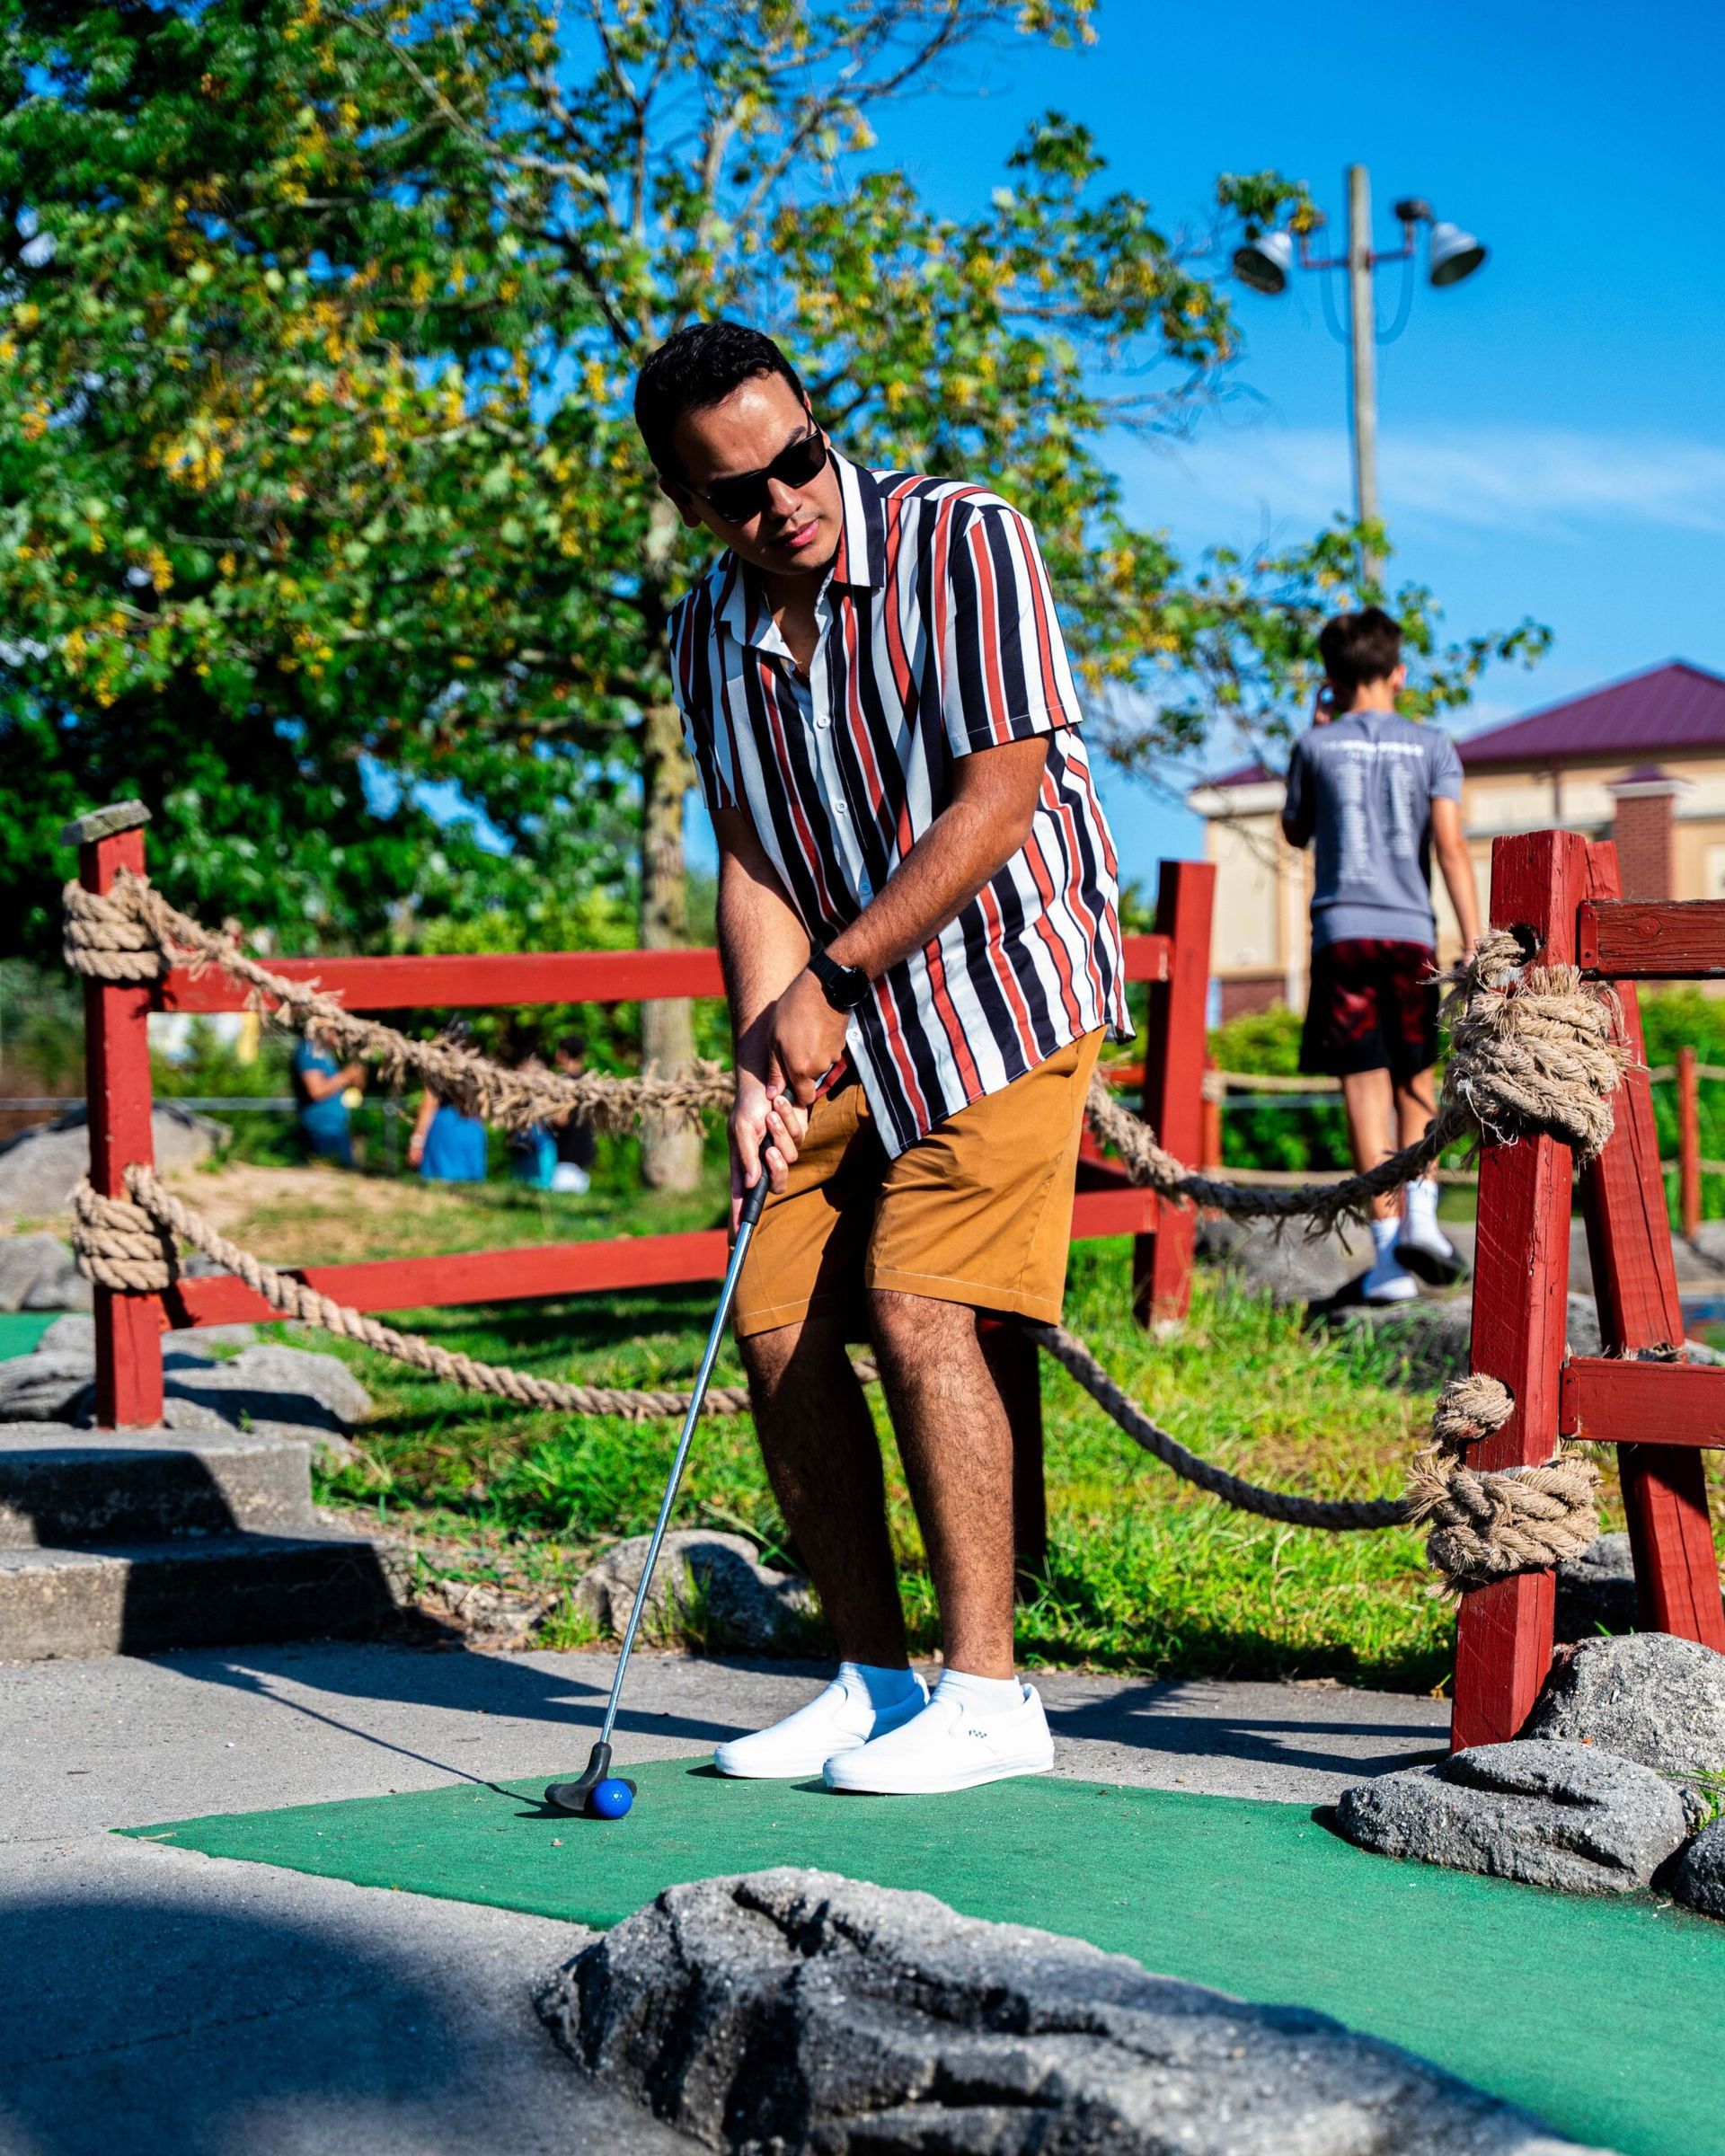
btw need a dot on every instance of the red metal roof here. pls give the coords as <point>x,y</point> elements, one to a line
<point>1675,706</point>
<point>1242,774</point>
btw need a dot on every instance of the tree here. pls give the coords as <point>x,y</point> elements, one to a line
<point>325,321</point>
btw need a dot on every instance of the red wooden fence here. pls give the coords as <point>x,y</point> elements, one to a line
<point>1658,1413</point>
<point>1175,962</point>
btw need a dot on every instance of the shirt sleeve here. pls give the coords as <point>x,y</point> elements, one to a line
<point>692,669</point>
<point>1005,672</point>
<point>1445,763</point>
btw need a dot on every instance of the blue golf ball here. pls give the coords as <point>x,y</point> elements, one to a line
<point>611,1799</point>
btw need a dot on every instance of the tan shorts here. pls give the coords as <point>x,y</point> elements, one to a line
<point>978,1211</point>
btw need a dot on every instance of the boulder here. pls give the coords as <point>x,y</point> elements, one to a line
<point>25,1259</point>
<point>1548,1814</point>
<point>791,2010</point>
<point>1596,1591</point>
<point>745,1605</point>
<point>1648,1697</point>
<point>273,1384</point>
<point>61,1286</point>
<point>1435,1333</point>
<point>40,1168</point>
<point>48,1386</point>
<point>1699,1879</point>
<point>75,1331</point>
<point>1289,1266</point>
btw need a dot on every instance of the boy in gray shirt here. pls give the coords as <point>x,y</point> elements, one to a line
<point>1379,793</point>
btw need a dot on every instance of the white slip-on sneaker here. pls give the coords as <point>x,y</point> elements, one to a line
<point>836,1719</point>
<point>952,1745</point>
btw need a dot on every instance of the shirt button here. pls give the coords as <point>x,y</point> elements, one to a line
<point>840,809</point>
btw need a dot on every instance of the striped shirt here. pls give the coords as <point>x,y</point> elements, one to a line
<point>937,637</point>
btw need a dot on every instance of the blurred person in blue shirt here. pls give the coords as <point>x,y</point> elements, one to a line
<point>321,1113</point>
<point>448,1147</point>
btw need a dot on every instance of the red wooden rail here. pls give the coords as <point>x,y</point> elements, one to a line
<point>1658,1413</point>
<point>1173,962</point>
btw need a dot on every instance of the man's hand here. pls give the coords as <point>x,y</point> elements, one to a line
<point>756,1114</point>
<point>807,1036</point>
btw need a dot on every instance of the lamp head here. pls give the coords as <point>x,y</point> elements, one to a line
<point>1266,263</point>
<point>1455,254</point>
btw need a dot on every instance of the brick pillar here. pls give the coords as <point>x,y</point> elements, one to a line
<point>1645,798</point>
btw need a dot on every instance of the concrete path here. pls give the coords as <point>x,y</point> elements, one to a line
<point>171,2004</point>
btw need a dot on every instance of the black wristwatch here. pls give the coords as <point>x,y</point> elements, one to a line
<point>844,986</point>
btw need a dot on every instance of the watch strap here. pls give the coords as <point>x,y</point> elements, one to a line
<point>844,986</point>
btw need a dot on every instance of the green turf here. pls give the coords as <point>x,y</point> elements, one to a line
<point>1599,2016</point>
<point>20,1329</point>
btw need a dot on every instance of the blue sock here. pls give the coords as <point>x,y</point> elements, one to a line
<point>885,1687</point>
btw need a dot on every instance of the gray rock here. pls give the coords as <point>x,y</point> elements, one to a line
<point>40,1168</point>
<point>745,1605</point>
<point>61,1286</point>
<point>1708,1243</point>
<point>1289,1267</point>
<point>1548,1814</point>
<point>1648,1697</point>
<point>799,2011</point>
<point>1431,1337</point>
<point>24,1259</point>
<point>1596,1591</point>
<point>1699,1879</point>
<point>52,1386</point>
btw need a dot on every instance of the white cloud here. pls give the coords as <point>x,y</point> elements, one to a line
<point>1484,478</point>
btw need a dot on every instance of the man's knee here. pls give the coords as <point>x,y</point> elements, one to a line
<point>905,1328</point>
<point>811,1350</point>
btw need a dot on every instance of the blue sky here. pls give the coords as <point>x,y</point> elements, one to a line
<point>1552,435</point>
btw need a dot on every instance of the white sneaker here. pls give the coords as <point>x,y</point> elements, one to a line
<point>1424,1249</point>
<point>1387,1283</point>
<point>951,1745</point>
<point>837,1719</point>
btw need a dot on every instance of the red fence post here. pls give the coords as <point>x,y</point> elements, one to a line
<point>1635,1284</point>
<point>117,1095</point>
<point>1174,1082</point>
<point>1688,1143</point>
<point>1521,1282</point>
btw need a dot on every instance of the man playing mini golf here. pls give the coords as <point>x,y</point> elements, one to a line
<point>918,925</point>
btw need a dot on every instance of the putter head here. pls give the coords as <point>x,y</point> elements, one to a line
<point>576,1796</point>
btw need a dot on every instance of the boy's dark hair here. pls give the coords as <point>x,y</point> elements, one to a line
<point>573,1046</point>
<point>696,369</point>
<point>1360,648</point>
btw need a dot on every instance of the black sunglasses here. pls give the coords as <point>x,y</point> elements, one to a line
<point>736,501</point>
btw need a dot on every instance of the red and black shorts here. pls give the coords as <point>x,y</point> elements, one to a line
<point>1373,1006</point>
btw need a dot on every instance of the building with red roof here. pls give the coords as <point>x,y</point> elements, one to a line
<point>1641,761</point>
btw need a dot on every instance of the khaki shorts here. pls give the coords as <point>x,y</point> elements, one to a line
<point>977,1211</point>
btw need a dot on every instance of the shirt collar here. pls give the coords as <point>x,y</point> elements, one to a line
<point>860,560</point>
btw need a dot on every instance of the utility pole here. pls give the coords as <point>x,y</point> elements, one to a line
<point>1362,338</point>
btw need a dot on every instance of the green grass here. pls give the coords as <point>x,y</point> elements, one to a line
<point>1145,1575</point>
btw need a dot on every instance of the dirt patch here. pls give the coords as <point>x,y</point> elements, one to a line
<point>314,1214</point>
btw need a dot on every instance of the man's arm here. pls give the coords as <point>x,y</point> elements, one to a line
<point>1296,805</point>
<point>988,820</point>
<point>1457,866</point>
<point>762,945</point>
<point>319,1084</point>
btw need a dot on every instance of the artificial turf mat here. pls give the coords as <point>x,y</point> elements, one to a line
<point>20,1329</point>
<point>1602,2015</point>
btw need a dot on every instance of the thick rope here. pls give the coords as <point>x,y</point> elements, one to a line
<point>113,936</point>
<point>1530,1051</point>
<point>1484,1525</point>
<point>1339,1515</point>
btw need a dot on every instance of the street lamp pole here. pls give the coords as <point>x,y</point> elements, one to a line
<point>1266,260</point>
<point>1362,338</point>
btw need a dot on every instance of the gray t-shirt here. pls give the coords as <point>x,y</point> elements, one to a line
<point>1364,786</point>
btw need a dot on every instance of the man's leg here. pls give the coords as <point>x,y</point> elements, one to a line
<point>823,1460</point>
<point>957,1446</point>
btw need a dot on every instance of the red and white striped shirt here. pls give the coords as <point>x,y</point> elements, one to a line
<point>937,637</point>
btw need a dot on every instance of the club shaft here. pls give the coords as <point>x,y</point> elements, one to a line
<point>738,1251</point>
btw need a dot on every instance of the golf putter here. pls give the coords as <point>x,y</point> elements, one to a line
<point>597,1793</point>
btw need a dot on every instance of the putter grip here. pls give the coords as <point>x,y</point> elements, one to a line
<point>754,1197</point>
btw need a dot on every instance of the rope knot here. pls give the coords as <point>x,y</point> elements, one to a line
<point>1487,1523</point>
<point>117,1244</point>
<point>1532,1051</point>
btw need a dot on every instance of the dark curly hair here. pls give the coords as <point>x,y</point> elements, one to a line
<point>696,369</point>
